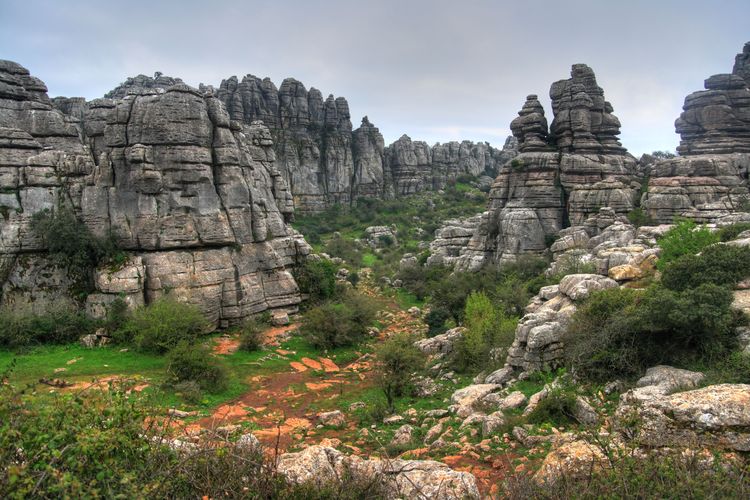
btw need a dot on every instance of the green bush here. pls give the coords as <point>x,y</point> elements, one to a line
<point>161,325</point>
<point>557,408</point>
<point>435,320</point>
<point>718,264</point>
<point>72,245</point>
<point>317,278</point>
<point>486,328</point>
<point>397,360</point>
<point>195,363</point>
<point>335,325</point>
<point>685,238</point>
<point>621,332</point>
<point>728,233</point>
<point>110,444</point>
<point>639,218</point>
<point>251,334</point>
<point>59,324</point>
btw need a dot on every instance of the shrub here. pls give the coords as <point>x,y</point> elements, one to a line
<point>621,332</point>
<point>317,278</point>
<point>110,444</point>
<point>486,328</point>
<point>557,408</point>
<point>117,315</point>
<point>195,363</point>
<point>718,264</point>
<point>353,278</point>
<point>435,320</point>
<point>630,474</point>
<point>59,324</point>
<point>189,390</point>
<point>685,238</point>
<point>397,360</point>
<point>161,325</point>
<point>639,218</point>
<point>728,233</point>
<point>335,325</point>
<point>251,334</point>
<point>72,245</point>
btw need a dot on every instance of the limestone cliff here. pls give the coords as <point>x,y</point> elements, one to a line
<point>194,197</point>
<point>322,159</point>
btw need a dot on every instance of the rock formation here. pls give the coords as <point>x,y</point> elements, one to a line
<point>561,176</point>
<point>323,160</point>
<point>193,197</point>
<point>710,177</point>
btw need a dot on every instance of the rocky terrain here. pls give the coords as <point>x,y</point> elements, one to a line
<point>193,197</point>
<point>569,170</point>
<point>322,158</point>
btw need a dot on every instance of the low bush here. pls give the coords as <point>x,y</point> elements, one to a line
<point>621,332</point>
<point>728,233</point>
<point>59,324</point>
<point>685,238</point>
<point>629,474</point>
<point>195,363</point>
<point>557,408</point>
<point>639,218</point>
<point>487,327</point>
<point>335,325</point>
<point>435,320</point>
<point>161,325</point>
<point>317,278</point>
<point>397,359</point>
<point>722,265</point>
<point>111,444</point>
<point>72,245</point>
<point>251,334</point>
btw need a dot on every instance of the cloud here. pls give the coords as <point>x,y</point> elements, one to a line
<point>421,67</point>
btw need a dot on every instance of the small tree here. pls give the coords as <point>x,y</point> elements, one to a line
<point>397,360</point>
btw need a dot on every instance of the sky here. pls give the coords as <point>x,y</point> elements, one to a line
<point>435,70</point>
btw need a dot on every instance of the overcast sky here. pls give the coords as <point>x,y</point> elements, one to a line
<point>435,70</point>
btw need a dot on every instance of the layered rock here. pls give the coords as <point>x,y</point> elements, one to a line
<point>710,178</point>
<point>561,176</point>
<point>399,478</point>
<point>323,160</point>
<point>194,198</point>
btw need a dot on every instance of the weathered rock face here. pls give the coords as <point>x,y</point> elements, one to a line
<point>710,178</point>
<point>561,176</point>
<point>322,159</point>
<point>398,478</point>
<point>195,198</point>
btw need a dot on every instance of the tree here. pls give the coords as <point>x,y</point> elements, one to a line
<point>397,360</point>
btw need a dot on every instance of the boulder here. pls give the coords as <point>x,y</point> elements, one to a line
<point>332,418</point>
<point>716,416</point>
<point>399,478</point>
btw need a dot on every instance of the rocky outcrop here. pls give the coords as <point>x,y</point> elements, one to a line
<point>716,416</point>
<point>451,239</point>
<point>322,159</point>
<point>709,179</point>
<point>398,478</point>
<point>561,176</point>
<point>193,197</point>
<point>604,252</point>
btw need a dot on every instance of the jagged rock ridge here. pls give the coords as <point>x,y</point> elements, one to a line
<point>324,160</point>
<point>194,197</point>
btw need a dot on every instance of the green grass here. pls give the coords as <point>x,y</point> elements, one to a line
<point>31,365</point>
<point>369,259</point>
<point>405,299</point>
